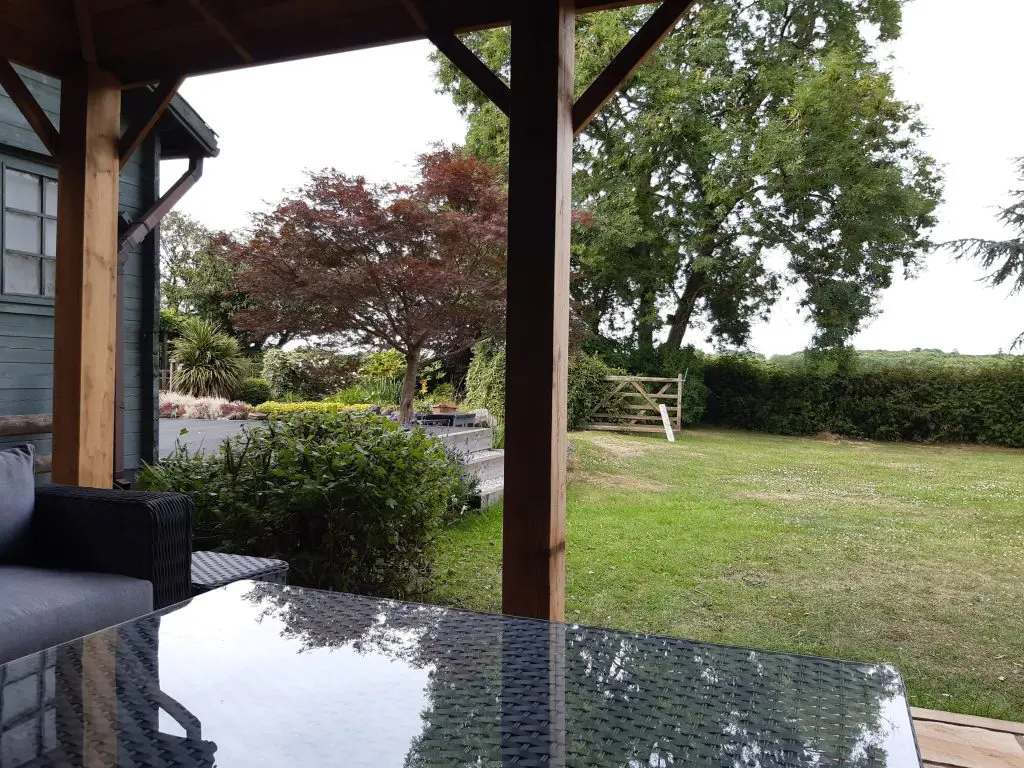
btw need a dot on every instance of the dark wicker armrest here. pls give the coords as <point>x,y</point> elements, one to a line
<point>143,535</point>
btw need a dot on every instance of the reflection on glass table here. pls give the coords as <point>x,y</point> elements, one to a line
<point>262,674</point>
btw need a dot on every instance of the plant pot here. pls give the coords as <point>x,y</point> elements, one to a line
<point>445,409</point>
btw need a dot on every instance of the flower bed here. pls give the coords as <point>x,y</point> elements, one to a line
<point>177,406</point>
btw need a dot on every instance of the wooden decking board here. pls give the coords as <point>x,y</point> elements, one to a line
<point>972,721</point>
<point>962,741</point>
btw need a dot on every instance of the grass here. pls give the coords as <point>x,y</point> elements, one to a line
<point>907,554</point>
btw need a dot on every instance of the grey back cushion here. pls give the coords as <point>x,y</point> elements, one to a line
<point>17,500</point>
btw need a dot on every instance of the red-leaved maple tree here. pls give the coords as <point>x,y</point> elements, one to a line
<point>418,267</point>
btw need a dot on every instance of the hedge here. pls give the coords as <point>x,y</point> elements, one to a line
<point>276,410</point>
<point>980,405</point>
<point>485,383</point>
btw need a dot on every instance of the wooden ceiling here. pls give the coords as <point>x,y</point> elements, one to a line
<point>143,41</point>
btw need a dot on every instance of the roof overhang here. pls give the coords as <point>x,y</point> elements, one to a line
<point>144,41</point>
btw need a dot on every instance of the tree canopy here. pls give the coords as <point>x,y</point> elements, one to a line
<point>1004,259</point>
<point>413,267</point>
<point>197,279</point>
<point>760,146</point>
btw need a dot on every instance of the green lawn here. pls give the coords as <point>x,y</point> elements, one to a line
<point>908,554</point>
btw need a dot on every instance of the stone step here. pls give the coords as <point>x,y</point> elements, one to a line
<point>491,492</point>
<point>465,441</point>
<point>486,465</point>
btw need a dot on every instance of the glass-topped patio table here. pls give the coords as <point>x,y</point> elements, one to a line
<point>258,674</point>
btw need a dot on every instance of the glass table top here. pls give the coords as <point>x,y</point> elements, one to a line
<point>259,674</point>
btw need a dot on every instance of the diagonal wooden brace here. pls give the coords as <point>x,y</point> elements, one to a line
<point>149,116</point>
<point>29,107</point>
<point>492,86</point>
<point>647,38</point>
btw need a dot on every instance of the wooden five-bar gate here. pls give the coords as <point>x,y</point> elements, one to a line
<point>633,404</point>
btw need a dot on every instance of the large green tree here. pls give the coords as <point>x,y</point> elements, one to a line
<point>761,145</point>
<point>1004,259</point>
<point>197,278</point>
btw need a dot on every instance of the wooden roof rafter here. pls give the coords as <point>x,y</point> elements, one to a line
<point>83,17</point>
<point>146,41</point>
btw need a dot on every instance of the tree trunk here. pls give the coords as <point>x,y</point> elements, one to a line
<point>684,311</point>
<point>412,369</point>
<point>645,323</point>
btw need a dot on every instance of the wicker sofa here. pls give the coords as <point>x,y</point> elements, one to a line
<point>77,560</point>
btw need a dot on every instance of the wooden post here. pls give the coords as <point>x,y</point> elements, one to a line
<point>679,405</point>
<point>86,290</point>
<point>540,205</point>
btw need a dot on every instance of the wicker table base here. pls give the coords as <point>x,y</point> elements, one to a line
<point>211,570</point>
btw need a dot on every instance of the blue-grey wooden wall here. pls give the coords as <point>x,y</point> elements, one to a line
<point>26,325</point>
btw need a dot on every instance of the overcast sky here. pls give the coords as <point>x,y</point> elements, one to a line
<point>371,112</point>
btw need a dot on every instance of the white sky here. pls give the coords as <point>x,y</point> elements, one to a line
<point>371,112</point>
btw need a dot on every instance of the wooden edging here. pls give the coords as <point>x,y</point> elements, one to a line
<point>968,721</point>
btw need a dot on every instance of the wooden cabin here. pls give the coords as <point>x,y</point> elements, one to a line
<point>28,230</point>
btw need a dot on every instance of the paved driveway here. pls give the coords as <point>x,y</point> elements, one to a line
<point>203,435</point>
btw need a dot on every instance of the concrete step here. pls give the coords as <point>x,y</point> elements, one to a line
<point>491,492</point>
<point>466,441</point>
<point>486,465</point>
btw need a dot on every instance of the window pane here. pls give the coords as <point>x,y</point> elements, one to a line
<point>50,193</point>
<point>49,237</point>
<point>22,190</point>
<point>21,274</point>
<point>49,277</point>
<point>22,232</point>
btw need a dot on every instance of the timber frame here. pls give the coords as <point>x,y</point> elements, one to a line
<point>104,47</point>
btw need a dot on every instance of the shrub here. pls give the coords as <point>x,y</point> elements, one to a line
<point>174,405</point>
<point>587,388</point>
<point>254,391</point>
<point>309,373</point>
<point>381,391</point>
<point>276,409</point>
<point>388,364</point>
<point>485,380</point>
<point>351,502</point>
<point>443,393</point>
<point>977,405</point>
<point>208,362</point>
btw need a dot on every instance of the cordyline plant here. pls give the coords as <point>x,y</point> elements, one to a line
<point>419,268</point>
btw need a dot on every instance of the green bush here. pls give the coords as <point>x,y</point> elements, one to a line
<point>485,383</point>
<point>388,364</point>
<point>485,379</point>
<point>207,361</point>
<point>980,404</point>
<point>275,409</point>
<point>351,502</point>
<point>254,391</point>
<point>309,373</point>
<point>587,388</point>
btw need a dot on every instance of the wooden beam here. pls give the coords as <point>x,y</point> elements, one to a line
<point>540,206</point>
<point>481,75</point>
<point>139,229</point>
<point>86,295</point>
<point>83,15</point>
<point>614,76</point>
<point>17,426</point>
<point>29,107</point>
<point>216,22</point>
<point>149,115</point>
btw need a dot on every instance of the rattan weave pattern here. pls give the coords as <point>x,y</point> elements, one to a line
<point>496,691</point>
<point>211,570</point>
<point>143,535</point>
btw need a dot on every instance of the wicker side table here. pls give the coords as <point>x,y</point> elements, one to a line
<point>211,570</point>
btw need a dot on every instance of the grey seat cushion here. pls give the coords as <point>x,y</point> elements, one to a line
<point>17,500</point>
<point>40,608</point>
